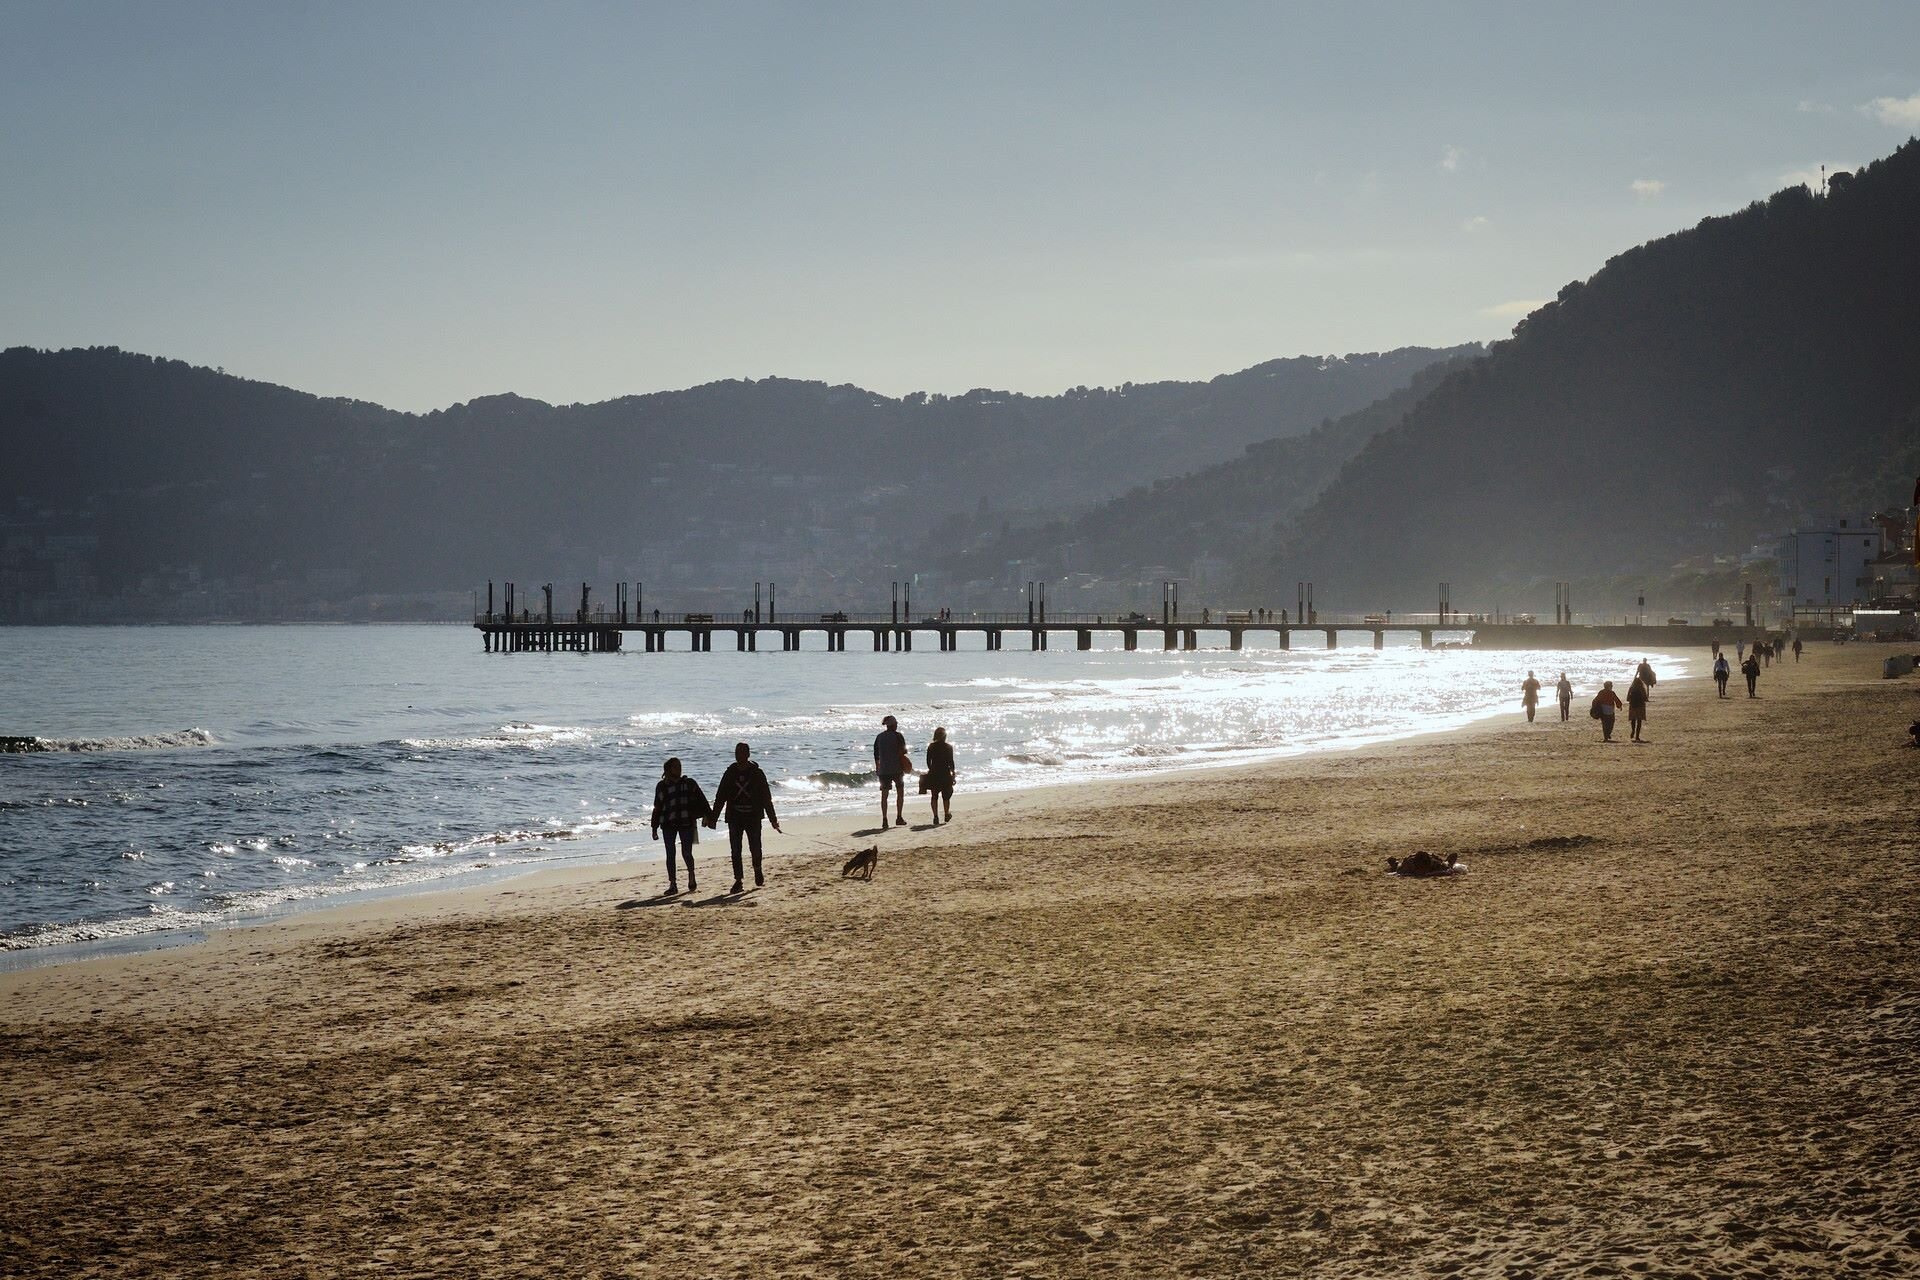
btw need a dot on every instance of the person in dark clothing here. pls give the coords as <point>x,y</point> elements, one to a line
<point>1644,673</point>
<point>744,796</point>
<point>678,807</point>
<point>937,781</point>
<point>1722,672</point>
<point>1796,648</point>
<point>1636,708</point>
<point>890,765</point>
<point>1530,695</point>
<point>1751,670</point>
<point>1606,704</point>
<point>1565,690</point>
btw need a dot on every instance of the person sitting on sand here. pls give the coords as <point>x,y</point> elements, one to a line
<point>1565,690</point>
<point>1606,704</point>
<point>1751,670</point>
<point>1422,863</point>
<point>1636,707</point>
<point>678,807</point>
<point>937,781</point>
<point>1529,695</point>
<point>1722,672</point>
<point>744,796</point>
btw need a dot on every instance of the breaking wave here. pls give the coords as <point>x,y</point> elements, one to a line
<point>134,742</point>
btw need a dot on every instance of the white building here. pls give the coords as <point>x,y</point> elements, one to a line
<point>1826,566</point>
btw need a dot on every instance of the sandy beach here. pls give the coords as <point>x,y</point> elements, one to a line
<point>1174,1026</point>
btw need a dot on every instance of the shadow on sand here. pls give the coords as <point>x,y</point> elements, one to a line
<point>741,899</point>
<point>656,901</point>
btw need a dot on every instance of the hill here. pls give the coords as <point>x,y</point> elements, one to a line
<point>1211,514</point>
<point>1697,393</point>
<point>146,488</point>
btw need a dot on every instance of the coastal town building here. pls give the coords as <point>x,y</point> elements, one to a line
<point>1826,566</point>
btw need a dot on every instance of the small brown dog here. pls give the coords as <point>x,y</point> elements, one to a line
<point>861,864</point>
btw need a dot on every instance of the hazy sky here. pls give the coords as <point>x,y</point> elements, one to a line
<point>420,203</point>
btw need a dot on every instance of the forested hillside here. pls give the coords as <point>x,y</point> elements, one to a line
<point>1697,393</point>
<point>1217,512</point>
<point>136,483</point>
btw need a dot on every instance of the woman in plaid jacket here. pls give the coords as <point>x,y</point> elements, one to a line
<point>678,807</point>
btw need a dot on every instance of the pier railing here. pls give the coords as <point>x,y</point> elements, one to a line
<point>787,618</point>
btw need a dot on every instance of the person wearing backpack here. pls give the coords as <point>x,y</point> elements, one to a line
<point>744,796</point>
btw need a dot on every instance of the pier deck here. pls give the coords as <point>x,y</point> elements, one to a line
<point>606,632</point>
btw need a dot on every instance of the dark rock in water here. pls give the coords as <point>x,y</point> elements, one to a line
<point>17,746</point>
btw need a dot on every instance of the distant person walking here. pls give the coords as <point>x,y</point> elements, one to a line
<point>1606,704</point>
<point>890,764</point>
<point>1751,670</point>
<point>1644,673</point>
<point>1530,695</point>
<point>678,807</point>
<point>1796,648</point>
<point>1565,690</point>
<point>1636,708</point>
<point>1722,672</point>
<point>937,781</point>
<point>745,798</point>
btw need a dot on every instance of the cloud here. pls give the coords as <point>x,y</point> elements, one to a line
<point>1646,188</point>
<point>1478,222</point>
<point>1450,158</point>
<point>1514,310</point>
<point>1810,107</point>
<point>1901,113</point>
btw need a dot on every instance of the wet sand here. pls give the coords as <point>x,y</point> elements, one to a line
<point>1180,1025</point>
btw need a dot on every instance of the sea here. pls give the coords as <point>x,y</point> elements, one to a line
<point>205,776</point>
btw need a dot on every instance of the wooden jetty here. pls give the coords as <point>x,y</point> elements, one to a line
<point>604,630</point>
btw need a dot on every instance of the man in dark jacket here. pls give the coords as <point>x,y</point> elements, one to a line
<point>744,796</point>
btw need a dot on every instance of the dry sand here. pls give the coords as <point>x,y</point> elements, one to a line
<point>1667,1024</point>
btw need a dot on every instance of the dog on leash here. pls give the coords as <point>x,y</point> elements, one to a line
<point>860,865</point>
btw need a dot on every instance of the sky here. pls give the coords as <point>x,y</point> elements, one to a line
<point>420,203</point>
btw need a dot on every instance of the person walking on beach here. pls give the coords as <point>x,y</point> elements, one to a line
<point>1722,672</point>
<point>678,807</point>
<point>890,764</point>
<point>1565,690</point>
<point>1636,708</point>
<point>1751,670</point>
<point>1530,695</point>
<point>1644,673</point>
<point>1796,648</point>
<point>744,796</point>
<point>937,781</point>
<point>1606,704</point>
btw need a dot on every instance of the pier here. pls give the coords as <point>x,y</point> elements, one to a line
<point>606,630</point>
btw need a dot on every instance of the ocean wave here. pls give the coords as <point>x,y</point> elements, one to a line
<point>132,742</point>
<point>523,736</point>
<point>833,778</point>
<point>492,839</point>
<point>1041,759</point>
<point>233,908</point>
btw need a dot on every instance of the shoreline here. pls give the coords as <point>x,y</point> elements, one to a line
<point>619,848</point>
<point>1174,1024</point>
